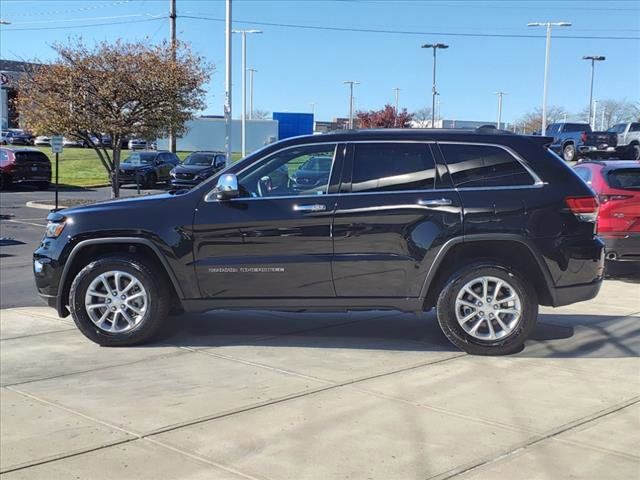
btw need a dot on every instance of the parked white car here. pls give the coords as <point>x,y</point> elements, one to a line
<point>42,141</point>
<point>72,142</point>
<point>628,139</point>
<point>137,144</point>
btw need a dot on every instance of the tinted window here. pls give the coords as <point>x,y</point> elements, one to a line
<point>140,158</point>
<point>30,156</point>
<point>220,161</point>
<point>381,167</point>
<point>635,127</point>
<point>628,178</point>
<point>484,166</point>
<point>198,158</point>
<point>576,127</point>
<point>553,128</point>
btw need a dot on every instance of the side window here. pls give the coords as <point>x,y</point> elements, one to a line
<point>283,173</point>
<point>4,157</point>
<point>219,161</point>
<point>635,127</point>
<point>553,128</point>
<point>484,166</point>
<point>584,174</point>
<point>384,167</point>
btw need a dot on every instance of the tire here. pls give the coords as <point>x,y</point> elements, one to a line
<point>150,180</point>
<point>569,152</point>
<point>153,309</point>
<point>504,341</point>
<point>634,152</point>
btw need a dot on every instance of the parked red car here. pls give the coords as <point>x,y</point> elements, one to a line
<point>25,166</point>
<point>617,183</point>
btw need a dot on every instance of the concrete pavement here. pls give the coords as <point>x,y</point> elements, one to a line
<point>268,395</point>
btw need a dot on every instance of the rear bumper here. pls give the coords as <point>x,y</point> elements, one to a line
<point>575,293</point>
<point>592,149</point>
<point>622,247</point>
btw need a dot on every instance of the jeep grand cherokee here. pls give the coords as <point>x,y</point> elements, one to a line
<point>481,225</point>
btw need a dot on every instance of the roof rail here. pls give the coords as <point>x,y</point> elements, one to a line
<point>492,130</point>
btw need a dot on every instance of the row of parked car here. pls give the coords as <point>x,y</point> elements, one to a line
<point>574,141</point>
<point>21,137</point>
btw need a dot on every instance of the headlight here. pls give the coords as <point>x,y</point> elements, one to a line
<point>172,173</point>
<point>54,229</point>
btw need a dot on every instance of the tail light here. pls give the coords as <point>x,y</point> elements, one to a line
<point>608,198</point>
<point>584,208</point>
<point>583,136</point>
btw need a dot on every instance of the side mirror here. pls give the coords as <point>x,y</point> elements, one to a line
<point>227,187</point>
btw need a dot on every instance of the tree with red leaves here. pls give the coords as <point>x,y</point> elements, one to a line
<point>385,118</point>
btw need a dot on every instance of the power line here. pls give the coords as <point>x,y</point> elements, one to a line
<point>409,32</point>
<point>95,6</point>
<point>66,27</point>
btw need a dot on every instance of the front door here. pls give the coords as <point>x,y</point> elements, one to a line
<point>391,220</point>
<point>275,239</point>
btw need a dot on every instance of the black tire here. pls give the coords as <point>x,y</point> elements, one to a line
<point>158,296</point>
<point>634,152</point>
<point>5,181</point>
<point>512,342</point>
<point>569,152</point>
<point>150,180</point>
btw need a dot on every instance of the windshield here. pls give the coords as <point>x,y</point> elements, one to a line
<point>139,159</point>
<point>625,179</point>
<point>317,164</point>
<point>199,159</point>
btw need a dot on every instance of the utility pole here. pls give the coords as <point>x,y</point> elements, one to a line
<point>602,125</point>
<point>397,90</point>
<point>548,26</point>
<point>251,72</point>
<point>434,91</point>
<point>351,83</point>
<point>592,122</point>
<point>227,82</point>
<point>172,34</point>
<point>500,95</point>
<point>244,86</point>
<point>593,59</point>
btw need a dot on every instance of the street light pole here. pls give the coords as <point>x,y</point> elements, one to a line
<point>594,59</point>
<point>251,72</point>
<point>227,83</point>
<point>244,87</point>
<point>548,26</point>
<point>434,91</point>
<point>397,90</point>
<point>500,95</point>
<point>172,33</point>
<point>351,83</point>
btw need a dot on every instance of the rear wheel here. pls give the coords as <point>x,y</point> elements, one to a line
<point>569,152</point>
<point>634,151</point>
<point>119,300</point>
<point>487,309</point>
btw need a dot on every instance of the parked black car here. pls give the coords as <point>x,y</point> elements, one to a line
<point>313,172</point>
<point>480,225</point>
<point>147,167</point>
<point>17,137</point>
<point>197,167</point>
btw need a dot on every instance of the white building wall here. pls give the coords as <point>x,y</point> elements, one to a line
<point>209,134</point>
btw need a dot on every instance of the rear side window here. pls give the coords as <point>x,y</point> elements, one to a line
<point>484,166</point>
<point>31,157</point>
<point>635,127</point>
<point>624,178</point>
<point>584,174</point>
<point>576,127</point>
<point>383,167</point>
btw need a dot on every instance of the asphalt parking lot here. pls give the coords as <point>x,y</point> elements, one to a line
<point>271,395</point>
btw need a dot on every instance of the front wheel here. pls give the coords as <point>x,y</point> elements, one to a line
<point>569,152</point>
<point>487,309</point>
<point>119,300</point>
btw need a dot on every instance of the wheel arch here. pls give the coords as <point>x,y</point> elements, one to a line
<point>86,250</point>
<point>509,248</point>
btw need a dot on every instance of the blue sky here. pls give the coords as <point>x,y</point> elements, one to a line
<point>297,66</point>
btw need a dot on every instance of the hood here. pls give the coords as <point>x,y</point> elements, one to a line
<point>191,168</point>
<point>120,203</point>
<point>132,168</point>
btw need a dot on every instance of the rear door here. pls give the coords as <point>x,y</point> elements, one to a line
<point>391,219</point>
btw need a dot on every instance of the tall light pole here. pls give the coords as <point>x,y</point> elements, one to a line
<point>172,34</point>
<point>351,83</point>
<point>251,72</point>
<point>594,59</point>
<point>244,86</point>
<point>548,25</point>
<point>500,95</point>
<point>397,91</point>
<point>227,82</point>
<point>434,91</point>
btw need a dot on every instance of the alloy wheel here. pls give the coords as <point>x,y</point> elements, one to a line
<point>488,308</point>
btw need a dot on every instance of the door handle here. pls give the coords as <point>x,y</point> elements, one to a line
<point>438,202</point>
<point>310,208</point>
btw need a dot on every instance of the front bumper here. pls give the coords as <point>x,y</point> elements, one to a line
<point>180,183</point>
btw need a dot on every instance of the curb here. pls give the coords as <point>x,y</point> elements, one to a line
<point>44,206</point>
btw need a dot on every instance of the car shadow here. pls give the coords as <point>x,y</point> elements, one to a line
<point>62,187</point>
<point>555,336</point>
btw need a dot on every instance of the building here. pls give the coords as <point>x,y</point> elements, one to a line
<point>10,73</point>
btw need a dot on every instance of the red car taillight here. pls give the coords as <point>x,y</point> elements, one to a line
<point>584,208</point>
<point>583,137</point>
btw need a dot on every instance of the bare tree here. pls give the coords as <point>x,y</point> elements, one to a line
<point>117,89</point>
<point>532,122</point>
<point>615,111</point>
<point>261,115</point>
<point>422,116</point>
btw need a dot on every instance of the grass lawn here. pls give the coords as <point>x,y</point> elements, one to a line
<point>81,167</point>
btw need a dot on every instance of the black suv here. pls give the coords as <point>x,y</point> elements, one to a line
<point>196,168</point>
<point>147,167</point>
<point>481,225</point>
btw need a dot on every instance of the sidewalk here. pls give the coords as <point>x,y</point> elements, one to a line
<point>268,395</point>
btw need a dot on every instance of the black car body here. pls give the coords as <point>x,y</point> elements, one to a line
<point>404,218</point>
<point>147,167</point>
<point>25,166</point>
<point>196,168</point>
<point>18,137</point>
